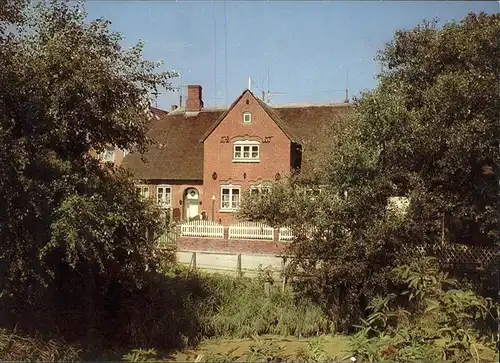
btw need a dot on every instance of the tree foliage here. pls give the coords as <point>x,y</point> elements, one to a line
<point>429,132</point>
<point>68,88</point>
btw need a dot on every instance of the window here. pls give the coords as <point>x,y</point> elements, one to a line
<point>164,196</point>
<point>108,155</point>
<point>247,117</point>
<point>143,191</point>
<point>125,152</point>
<point>260,188</point>
<point>246,151</point>
<point>231,198</point>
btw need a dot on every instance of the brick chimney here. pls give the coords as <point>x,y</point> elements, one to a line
<point>194,103</point>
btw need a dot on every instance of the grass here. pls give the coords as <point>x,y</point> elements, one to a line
<point>229,307</point>
<point>334,345</point>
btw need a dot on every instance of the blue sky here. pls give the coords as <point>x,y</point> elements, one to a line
<point>306,46</point>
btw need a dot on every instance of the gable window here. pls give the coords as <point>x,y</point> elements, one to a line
<point>143,191</point>
<point>125,152</point>
<point>230,198</point>
<point>246,151</point>
<point>247,117</point>
<point>164,196</point>
<point>108,155</point>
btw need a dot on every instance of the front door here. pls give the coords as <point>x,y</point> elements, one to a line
<point>192,203</point>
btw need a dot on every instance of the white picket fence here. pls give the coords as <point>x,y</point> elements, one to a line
<point>251,230</point>
<point>202,228</point>
<point>285,234</point>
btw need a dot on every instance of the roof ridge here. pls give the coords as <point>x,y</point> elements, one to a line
<point>300,105</point>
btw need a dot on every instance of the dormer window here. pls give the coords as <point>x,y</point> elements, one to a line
<point>246,151</point>
<point>247,117</point>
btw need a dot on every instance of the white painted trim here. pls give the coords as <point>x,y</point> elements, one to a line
<point>241,145</point>
<point>169,203</point>
<point>230,187</point>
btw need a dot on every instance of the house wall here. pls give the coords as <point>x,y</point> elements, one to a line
<point>178,190</point>
<point>218,153</point>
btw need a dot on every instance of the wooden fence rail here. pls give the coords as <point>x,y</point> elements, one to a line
<point>251,230</point>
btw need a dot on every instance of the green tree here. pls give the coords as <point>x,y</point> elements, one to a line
<point>68,88</point>
<point>429,132</point>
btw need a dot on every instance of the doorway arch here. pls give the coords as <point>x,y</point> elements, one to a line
<point>191,204</point>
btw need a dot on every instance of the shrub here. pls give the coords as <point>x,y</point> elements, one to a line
<point>431,321</point>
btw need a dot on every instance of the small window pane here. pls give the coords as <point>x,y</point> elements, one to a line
<point>255,152</point>
<point>247,117</point>
<point>246,152</point>
<point>237,152</point>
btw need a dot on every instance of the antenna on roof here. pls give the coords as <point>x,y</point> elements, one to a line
<point>268,93</point>
<point>181,89</point>
<point>156,93</point>
<point>347,86</point>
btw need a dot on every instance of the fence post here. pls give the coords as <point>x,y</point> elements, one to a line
<point>193,260</point>
<point>283,273</point>
<point>238,265</point>
<point>276,234</point>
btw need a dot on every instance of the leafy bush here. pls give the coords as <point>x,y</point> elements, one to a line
<point>433,320</point>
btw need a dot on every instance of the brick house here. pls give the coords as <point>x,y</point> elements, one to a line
<point>206,157</point>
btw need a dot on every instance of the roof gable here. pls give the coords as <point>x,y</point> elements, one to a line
<point>273,115</point>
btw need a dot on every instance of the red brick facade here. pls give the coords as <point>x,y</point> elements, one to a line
<point>219,168</point>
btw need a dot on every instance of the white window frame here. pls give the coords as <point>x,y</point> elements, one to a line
<point>245,114</point>
<point>143,187</point>
<point>166,202</point>
<point>229,205</point>
<point>125,152</point>
<point>239,151</point>
<point>104,154</point>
